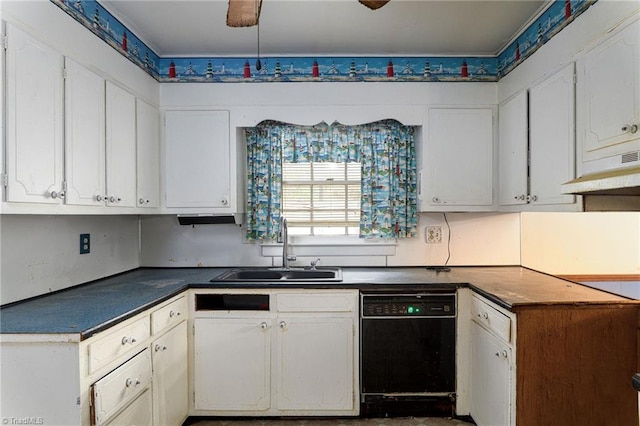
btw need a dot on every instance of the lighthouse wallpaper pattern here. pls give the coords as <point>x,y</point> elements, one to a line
<point>103,24</point>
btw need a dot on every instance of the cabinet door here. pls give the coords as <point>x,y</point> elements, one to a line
<point>491,378</point>
<point>148,155</point>
<point>459,158</point>
<point>197,159</point>
<point>315,363</point>
<point>514,145</point>
<point>552,121</point>
<point>610,95</point>
<point>232,364</point>
<point>120,147</point>
<point>84,135</point>
<point>34,147</point>
<point>170,377</point>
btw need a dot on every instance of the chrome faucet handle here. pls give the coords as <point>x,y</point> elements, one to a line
<point>314,263</point>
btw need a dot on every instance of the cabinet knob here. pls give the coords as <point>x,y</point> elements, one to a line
<point>485,315</point>
<point>224,201</point>
<point>174,314</point>
<point>159,348</point>
<point>630,128</point>
<point>141,200</point>
<point>132,382</point>
<point>435,199</point>
<point>130,340</point>
<point>264,325</point>
<point>100,198</point>
<point>283,325</point>
<point>55,194</point>
<point>520,197</point>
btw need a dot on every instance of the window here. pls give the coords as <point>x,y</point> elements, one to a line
<point>331,180</point>
<point>321,198</point>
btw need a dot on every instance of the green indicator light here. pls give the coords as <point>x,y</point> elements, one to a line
<point>410,309</point>
<point>417,310</point>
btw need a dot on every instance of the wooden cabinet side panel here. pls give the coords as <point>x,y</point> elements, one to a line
<point>575,365</point>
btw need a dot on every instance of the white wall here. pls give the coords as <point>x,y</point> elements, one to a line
<point>476,239</point>
<point>582,243</point>
<point>40,254</point>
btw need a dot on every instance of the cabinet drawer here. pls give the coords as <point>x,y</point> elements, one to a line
<point>137,413</point>
<point>168,315</point>
<point>492,319</point>
<point>317,302</point>
<point>118,388</point>
<point>118,342</point>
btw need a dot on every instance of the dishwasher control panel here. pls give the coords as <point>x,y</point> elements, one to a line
<point>414,305</point>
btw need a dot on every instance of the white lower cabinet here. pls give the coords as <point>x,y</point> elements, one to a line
<point>232,364</point>
<point>492,367</point>
<point>315,363</point>
<point>299,357</point>
<point>170,377</point>
<point>491,378</point>
<point>134,373</point>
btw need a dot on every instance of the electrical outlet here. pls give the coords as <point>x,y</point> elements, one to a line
<point>85,243</point>
<point>433,234</point>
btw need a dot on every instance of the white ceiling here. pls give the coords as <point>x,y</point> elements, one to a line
<point>174,28</point>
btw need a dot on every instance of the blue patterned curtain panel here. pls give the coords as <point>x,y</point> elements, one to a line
<point>385,151</point>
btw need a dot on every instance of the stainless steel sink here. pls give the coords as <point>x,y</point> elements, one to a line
<point>272,274</point>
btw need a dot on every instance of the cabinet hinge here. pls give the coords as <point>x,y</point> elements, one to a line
<point>64,73</point>
<point>5,180</point>
<point>64,185</point>
<point>5,42</point>
<point>575,79</point>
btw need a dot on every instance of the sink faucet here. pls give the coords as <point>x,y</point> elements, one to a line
<point>283,237</point>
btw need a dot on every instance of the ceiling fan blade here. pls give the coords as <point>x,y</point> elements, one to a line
<point>374,4</point>
<point>243,13</point>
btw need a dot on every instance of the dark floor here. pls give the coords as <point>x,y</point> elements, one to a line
<point>399,421</point>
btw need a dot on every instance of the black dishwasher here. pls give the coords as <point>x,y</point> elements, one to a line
<point>408,353</point>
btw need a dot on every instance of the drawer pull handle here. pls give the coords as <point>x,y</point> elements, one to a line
<point>485,315</point>
<point>174,314</point>
<point>264,325</point>
<point>283,325</point>
<point>132,382</point>
<point>502,354</point>
<point>159,348</point>
<point>130,340</point>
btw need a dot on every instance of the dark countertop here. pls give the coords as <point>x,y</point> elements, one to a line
<point>87,309</point>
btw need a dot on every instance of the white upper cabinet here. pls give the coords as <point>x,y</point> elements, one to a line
<point>513,150</point>
<point>197,160</point>
<point>84,135</point>
<point>609,101</point>
<point>120,147</point>
<point>34,120</point>
<point>537,145</point>
<point>552,133</point>
<point>148,154</point>
<point>457,160</point>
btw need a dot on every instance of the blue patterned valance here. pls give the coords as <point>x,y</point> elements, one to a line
<point>384,149</point>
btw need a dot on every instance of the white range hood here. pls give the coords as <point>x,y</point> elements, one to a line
<point>612,182</point>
